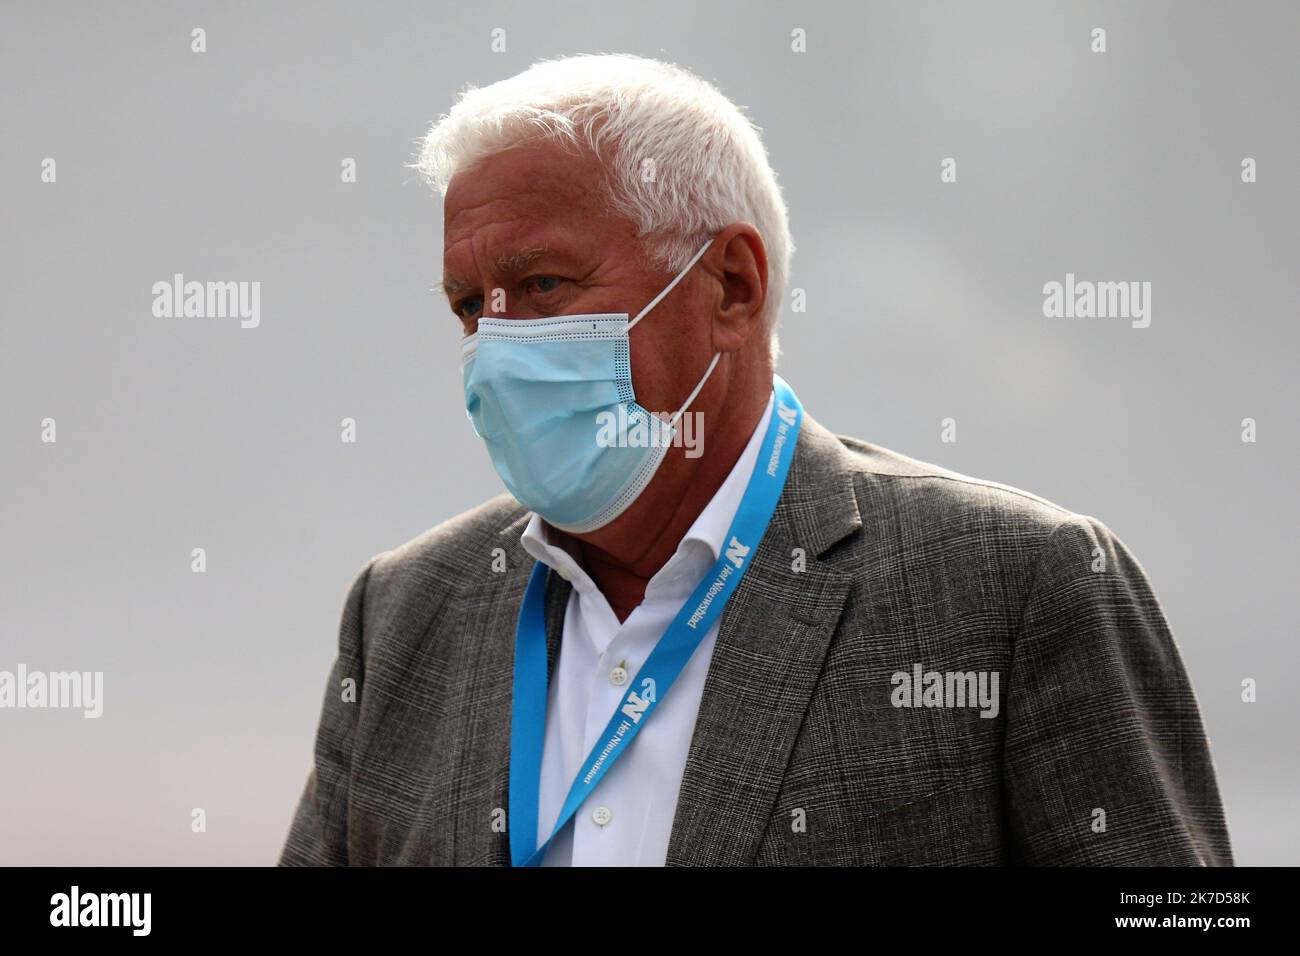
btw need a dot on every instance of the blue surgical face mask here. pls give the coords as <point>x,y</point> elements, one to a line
<point>552,398</point>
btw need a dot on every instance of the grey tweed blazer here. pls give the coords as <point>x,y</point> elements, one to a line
<point>873,564</point>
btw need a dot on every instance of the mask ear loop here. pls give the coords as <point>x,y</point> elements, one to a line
<point>672,422</point>
<point>659,298</point>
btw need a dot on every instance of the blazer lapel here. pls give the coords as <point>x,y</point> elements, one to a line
<point>772,640</point>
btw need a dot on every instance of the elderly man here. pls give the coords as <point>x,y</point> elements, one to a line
<point>768,645</point>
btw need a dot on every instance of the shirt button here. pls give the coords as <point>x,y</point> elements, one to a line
<point>618,676</point>
<point>601,816</point>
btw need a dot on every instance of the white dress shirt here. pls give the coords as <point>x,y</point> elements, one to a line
<point>627,819</point>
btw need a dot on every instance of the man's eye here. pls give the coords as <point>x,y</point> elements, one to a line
<point>545,284</point>
<point>472,301</point>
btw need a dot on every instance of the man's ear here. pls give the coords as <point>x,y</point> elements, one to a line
<point>737,261</point>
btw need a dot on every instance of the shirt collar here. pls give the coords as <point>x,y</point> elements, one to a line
<point>709,528</point>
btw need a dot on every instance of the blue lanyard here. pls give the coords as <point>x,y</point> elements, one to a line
<point>657,674</point>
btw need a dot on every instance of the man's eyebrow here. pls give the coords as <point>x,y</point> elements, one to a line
<point>450,287</point>
<point>507,263</point>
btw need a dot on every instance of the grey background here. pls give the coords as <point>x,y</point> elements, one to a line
<point>924,302</point>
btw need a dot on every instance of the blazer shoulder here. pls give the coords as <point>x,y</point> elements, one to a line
<point>953,525</point>
<point>935,494</point>
<point>436,561</point>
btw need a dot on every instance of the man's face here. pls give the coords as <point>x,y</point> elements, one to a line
<point>526,236</point>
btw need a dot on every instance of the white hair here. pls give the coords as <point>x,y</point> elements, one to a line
<point>681,160</point>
